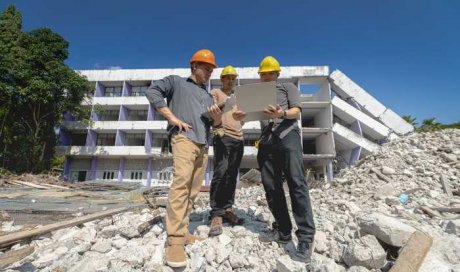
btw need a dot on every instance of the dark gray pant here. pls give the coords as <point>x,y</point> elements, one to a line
<point>285,156</point>
<point>228,153</point>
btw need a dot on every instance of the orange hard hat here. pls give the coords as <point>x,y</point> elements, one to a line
<point>204,55</point>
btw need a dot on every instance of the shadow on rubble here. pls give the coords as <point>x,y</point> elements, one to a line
<point>251,222</point>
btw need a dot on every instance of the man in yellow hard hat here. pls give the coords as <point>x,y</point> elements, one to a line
<point>280,152</point>
<point>228,147</point>
<point>190,111</point>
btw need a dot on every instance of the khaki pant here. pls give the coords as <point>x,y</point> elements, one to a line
<point>189,161</point>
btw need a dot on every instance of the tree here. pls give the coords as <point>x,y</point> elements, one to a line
<point>430,124</point>
<point>37,87</point>
<point>409,119</point>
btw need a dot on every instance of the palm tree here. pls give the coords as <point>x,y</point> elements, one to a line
<point>409,119</point>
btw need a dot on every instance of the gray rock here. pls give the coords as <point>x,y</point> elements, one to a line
<point>322,263</point>
<point>449,157</point>
<point>365,252</point>
<point>321,242</point>
<point>108,231</point>
<point>91,261</point>
<point>102,246</point>
<point>392,201</point>
<point>119,242</point>
<point>237,261</point>
<point>453,227</point>
<point>129,232</point>
<point>388,229</point>
<point>384,191</point>
<point>358,269</point>
<point>286,264</point>
<point>388,170</point>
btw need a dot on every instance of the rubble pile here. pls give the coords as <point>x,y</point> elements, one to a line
<point>363,219</point>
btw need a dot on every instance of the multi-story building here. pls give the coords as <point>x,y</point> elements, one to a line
<point>126,139</point>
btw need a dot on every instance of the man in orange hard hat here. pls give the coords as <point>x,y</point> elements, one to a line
<point>190,111</point>
<point>228,147</point>
<point>280,152</point>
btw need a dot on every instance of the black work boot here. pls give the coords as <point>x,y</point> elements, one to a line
<point>304,251</point>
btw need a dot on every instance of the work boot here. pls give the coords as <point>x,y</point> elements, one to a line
<point>275,236</point>
<point>216,226</point>
<point>304,251</point>
<point>175,256</point>
<point>191,239</point>
<point>230,217</point>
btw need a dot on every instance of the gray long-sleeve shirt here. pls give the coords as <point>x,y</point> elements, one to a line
<point>187,100</point>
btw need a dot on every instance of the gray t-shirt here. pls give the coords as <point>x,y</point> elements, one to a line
<point>188,101</point>
<point>287,96</point>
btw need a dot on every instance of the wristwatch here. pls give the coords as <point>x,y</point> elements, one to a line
<point>284,115</point>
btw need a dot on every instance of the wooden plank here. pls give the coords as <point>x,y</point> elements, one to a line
<point>447,209</point>
<point>430,212</point>
<point>17,236</point>
<point>413,253</point>
<point>446,186</point>
<point>25,183</point>
<point>13,256</point>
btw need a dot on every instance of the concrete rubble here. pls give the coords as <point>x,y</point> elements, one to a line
<point>362,222</point>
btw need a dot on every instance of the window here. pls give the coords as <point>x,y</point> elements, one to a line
<point>136,175</point>
<point>105,139</point>
<point>137,115</point>
<point>108,175</point>
<point>135,139</point>
<point>138,90</point>
<point>109,115</point>
<point>112,91</point>
<point>158,139</point>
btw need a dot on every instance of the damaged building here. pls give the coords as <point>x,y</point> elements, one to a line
<point>126,139</point>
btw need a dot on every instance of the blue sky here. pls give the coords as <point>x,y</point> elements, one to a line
<point>405,53</point>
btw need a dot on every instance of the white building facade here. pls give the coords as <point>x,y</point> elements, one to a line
<point>126,139</point>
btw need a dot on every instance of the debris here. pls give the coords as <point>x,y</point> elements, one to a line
<point>17,236</point>
<point>414,252</point>
<point>13,256</point>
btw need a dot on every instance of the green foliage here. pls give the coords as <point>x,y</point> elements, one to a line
<point>36,88</point>
<point>409,119</point>
<point>430,125</point>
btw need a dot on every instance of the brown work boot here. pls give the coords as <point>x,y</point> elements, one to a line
<point>191,239</point>
<point>216,226</point>
<point>175,252</point>
<point>230,217</point>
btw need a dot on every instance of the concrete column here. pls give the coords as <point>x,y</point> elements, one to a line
<point>64,137</point>
<point>120,138</point>
<point>67,167</point>
<point>100,90</point>
<point>123,115</point>
<point>92,174</point>
<point>148,140</point>
<point>355,127</point>
<point>330,171</point>
<point>126,91</point>
<point>68,117</point>
<point>91,138</point>
<point>121,169</point>
<point>151,113</point>
<point>149,173</point>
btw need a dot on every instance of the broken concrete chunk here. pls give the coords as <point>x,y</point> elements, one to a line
<point>365,252</point>
<point>388,229</point>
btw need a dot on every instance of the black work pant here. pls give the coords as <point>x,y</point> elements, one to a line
<point>228,153</point>
<point>285,156</point>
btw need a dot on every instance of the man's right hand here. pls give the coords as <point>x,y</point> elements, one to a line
<point>181,125</point>
<point>239,115</point>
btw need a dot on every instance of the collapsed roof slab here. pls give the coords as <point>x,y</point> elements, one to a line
<point>346,88</point>
<point>345,137</point>
<point>350,114</point>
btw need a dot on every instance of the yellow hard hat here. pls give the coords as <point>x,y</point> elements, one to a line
<point>228,70</point>
<point>269,64</point>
